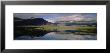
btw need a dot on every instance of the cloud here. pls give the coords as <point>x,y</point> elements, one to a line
<point>50,20</point>
<point>76,17</point>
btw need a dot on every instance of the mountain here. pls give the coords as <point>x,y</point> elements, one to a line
<point>34,21</point>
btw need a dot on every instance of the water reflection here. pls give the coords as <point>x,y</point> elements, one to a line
<point>58,35</point>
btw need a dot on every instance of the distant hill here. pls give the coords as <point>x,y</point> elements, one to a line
<point>35,21</point>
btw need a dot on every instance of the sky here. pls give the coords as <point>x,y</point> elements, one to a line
<point>53,17</point>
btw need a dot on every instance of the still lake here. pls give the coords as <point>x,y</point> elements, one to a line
<point>57,36</point>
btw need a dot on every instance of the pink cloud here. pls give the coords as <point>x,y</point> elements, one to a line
<point>77,17</point>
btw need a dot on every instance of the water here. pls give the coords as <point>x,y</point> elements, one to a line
<point>57,36</point>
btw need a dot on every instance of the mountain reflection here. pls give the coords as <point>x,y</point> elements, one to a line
<point>25,34</point>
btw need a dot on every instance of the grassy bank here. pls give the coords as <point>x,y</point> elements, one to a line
<point>52,28</point>
<point>88,29</point>
<point>83,29</point>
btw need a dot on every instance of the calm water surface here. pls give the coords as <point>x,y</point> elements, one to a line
<point>57,36</point>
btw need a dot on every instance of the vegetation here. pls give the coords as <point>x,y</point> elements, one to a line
<point>82,29</point>
<point>87,29</point>
<point>52,27</point>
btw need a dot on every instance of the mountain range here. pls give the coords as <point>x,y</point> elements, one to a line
<point>34,21</point>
